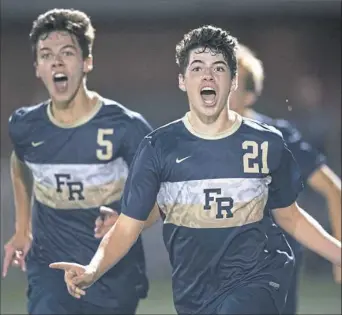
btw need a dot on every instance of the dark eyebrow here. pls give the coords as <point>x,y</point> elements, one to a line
<point>44,48</point>
<point>220,62</point>
<point>215,63</point>
<point>64,47</point>
<point>69,46</point>
<point>196,60</point>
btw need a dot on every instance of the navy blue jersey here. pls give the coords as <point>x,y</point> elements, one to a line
<point>307,157</point>
<point>76,169</point>
<point>215,196</point>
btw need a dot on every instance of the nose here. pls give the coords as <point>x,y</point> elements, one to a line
<point>207,75</point>
<point>57,61</point>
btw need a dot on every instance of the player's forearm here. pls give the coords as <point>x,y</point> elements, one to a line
<point>22,196</point>
<point>333,197</point>
<point>114,246</point>
<point>153,217</point>
<point>334,204</point>
<point>307,231</point>
<point>327,183</point>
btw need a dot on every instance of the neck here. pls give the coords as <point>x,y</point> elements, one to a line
<point>212,127</point>
<point>248,113</point>
<point>79,106</point>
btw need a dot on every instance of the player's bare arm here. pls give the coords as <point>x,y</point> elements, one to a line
<point>22,195</point>
<point>18,246</point>
<point>109,217</point>
<point>328,184</point>
<point>308,232</point>
<point>113,247</point>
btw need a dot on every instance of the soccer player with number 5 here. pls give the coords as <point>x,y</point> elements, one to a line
<point>78,147</point>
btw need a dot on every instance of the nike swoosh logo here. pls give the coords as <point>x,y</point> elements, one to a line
<point>181,160</point>
<point>37,144</point>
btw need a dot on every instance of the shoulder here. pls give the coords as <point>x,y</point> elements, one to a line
<point>261,129</point>
<point>289,131</point>
<point>27,113</point>
<point>165,134</point>
<point>24,119</point>
<point>118,111</point>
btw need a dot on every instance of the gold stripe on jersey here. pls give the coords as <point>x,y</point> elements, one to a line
<point>195,216</point>
<point>94,196</point>
<point>204,203</point>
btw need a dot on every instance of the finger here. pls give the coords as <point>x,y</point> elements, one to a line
<point>107,211</point>
<point>7,260</point>
<point>63,266</point>
<point>98,221</point>
<point>101,232</point>
<point>22,264</point>
<point>76,291</point>
<point>79,291</point>
<point>110,221</point>
<point>70,275</point>
<point>81,282</point>
<point>20,260</point>
<point>72,291</point>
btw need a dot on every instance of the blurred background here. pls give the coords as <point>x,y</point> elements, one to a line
<point>299,43</point>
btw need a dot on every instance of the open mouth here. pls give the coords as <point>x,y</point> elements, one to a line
<point>208,95</point>
<point>61,81</point>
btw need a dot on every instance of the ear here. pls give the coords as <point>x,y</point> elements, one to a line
<point>88,64</point>
<point>181,83</point>
<point>234,85</point>
<point>250,99</point>
<point>36,70</point>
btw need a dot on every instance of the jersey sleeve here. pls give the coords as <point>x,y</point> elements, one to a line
<point>15,131</point>
<point>286,181</point>
<point>137,129</point>
<point>143,183</point>
<point>307,157</point>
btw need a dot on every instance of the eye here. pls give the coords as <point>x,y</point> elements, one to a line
<point>220,69</point>
<point>45,56</point>
<point>68,53</point>
<point>196,69</point>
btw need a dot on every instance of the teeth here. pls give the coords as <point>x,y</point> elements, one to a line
<point>207,89</point>
<point>59,75</point>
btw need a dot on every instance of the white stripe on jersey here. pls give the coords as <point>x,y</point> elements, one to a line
<point>88,174</point>
<point>191,192</point>
<point>197,204</point>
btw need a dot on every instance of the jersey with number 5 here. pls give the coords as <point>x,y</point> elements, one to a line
<point>76,169</point>
<point>215,196</point>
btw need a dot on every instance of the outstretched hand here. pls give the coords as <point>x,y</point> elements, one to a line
<point>77,277</point>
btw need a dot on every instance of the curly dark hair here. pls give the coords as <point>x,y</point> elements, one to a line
<point>208,37</point>
<point>73,21</point>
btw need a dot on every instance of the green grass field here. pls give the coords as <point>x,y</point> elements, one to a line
<point>318,295</point>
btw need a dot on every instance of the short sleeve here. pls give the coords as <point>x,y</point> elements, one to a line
<point>307,157</point>
<point>14,131</point>
<point>286,181</point>
<point>137,129</point>
<point>142,184</point>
